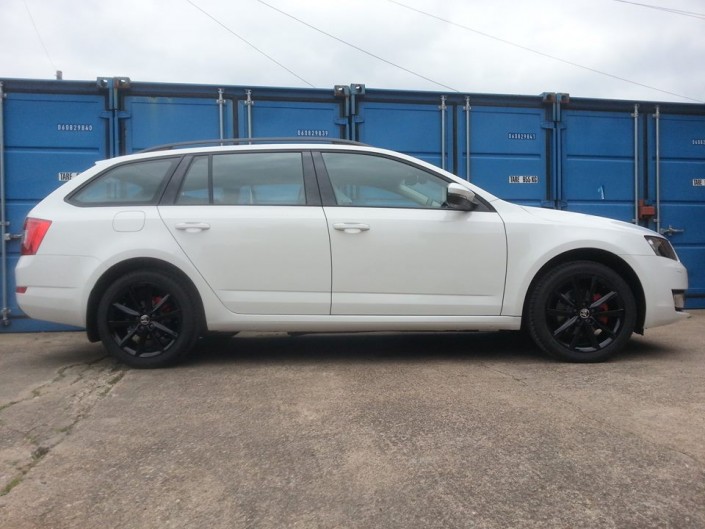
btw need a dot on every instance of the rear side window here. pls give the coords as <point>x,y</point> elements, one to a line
<point>245,179</point>
<point>126,184</point>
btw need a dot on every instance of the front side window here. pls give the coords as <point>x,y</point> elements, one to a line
<point>375,181</point>
<point>130,183</point>
<point>245,179</point>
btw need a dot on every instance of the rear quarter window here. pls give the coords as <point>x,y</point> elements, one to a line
<point>136,183</point>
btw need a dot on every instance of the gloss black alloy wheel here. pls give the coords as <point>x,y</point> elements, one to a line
<point>582,312</point>
<point>146,319</point>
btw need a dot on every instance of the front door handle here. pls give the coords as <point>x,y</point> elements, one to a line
<point>193,227</point>
<point>351,227</point>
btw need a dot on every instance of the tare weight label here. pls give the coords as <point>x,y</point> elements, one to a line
<point>524,179</point>
<point>65,176</point>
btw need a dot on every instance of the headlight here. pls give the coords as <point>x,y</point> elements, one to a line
<point>661,247</point>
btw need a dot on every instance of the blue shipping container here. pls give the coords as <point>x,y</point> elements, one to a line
<point>634,161</point>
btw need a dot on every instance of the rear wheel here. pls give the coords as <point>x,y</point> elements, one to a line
<point>147,319</point>
<point>581,312</point>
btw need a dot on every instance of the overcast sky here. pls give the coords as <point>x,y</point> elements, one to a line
<point>588,48</point>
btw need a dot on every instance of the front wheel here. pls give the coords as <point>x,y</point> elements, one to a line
<point>147,319</point>
<point>581,312</point>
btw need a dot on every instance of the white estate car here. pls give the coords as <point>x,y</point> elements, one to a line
<point>150,251</point>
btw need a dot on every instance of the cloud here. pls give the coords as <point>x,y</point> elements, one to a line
<point>172,41</point>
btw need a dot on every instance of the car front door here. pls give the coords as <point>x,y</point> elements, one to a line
<point>396,247</point>
<point>253,226</point>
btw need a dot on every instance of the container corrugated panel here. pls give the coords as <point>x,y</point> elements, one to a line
<point>598,163</point>
<point>148,121</point>
<point>509,153</point>
<point>416,129</point>
<point>577,155</point>
<point>48,139</point>
<point>264,116</point>
<point>682,193</point>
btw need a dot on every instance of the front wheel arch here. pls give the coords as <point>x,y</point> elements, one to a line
<point>608,259</point>
<point>132,265</point>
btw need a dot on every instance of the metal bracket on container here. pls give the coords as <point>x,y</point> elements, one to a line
<point>114,114</point>
<point>350,93</point>
<point>357,89</point>
<point>117,83</point>
<point>341,90</point>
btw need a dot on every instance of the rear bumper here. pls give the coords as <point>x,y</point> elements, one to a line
<point>54,287</point>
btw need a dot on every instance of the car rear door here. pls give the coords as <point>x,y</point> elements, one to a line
<point>253,225</point>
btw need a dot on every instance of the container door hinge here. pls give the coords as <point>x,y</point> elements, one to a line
<point>6,317</point>
<point>554,204</point>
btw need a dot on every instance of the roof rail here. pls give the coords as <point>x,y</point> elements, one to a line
<point>250,141</point>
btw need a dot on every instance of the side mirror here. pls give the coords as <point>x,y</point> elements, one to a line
<point>460,197</point>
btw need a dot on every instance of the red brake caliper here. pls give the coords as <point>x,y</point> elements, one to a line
<point>602,319</point>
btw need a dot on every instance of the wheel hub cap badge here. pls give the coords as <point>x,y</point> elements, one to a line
<point>585,313</point>
<point>145,320</point>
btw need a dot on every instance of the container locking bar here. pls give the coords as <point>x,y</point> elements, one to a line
<point>443,107</point>
<point>3,216</point>
<point>635,115</point>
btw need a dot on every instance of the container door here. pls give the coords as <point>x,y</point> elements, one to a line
<point>152,121</point>
<point>598,163</point>
<point>420,130</point>
<point>508,153</point>
<point>682,193</point>
<point>48,139</point>
<point>262,118</point>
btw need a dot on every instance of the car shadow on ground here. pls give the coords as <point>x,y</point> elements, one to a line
<point>361,347</point>
<point>514,347</point>
<point>262,348</point>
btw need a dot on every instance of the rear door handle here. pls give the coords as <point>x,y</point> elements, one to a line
<point>193,227</point>
<point>351,227</point>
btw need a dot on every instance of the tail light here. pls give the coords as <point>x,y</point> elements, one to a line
<point>34,232</point>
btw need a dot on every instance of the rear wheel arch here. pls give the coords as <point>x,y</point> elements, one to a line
<point>133,265</point>
<point>605,258</point>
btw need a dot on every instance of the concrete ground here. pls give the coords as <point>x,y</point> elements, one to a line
<point>380,431</point>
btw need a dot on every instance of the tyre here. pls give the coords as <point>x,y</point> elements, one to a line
<point>147,319</point>
<point>581,312</point>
